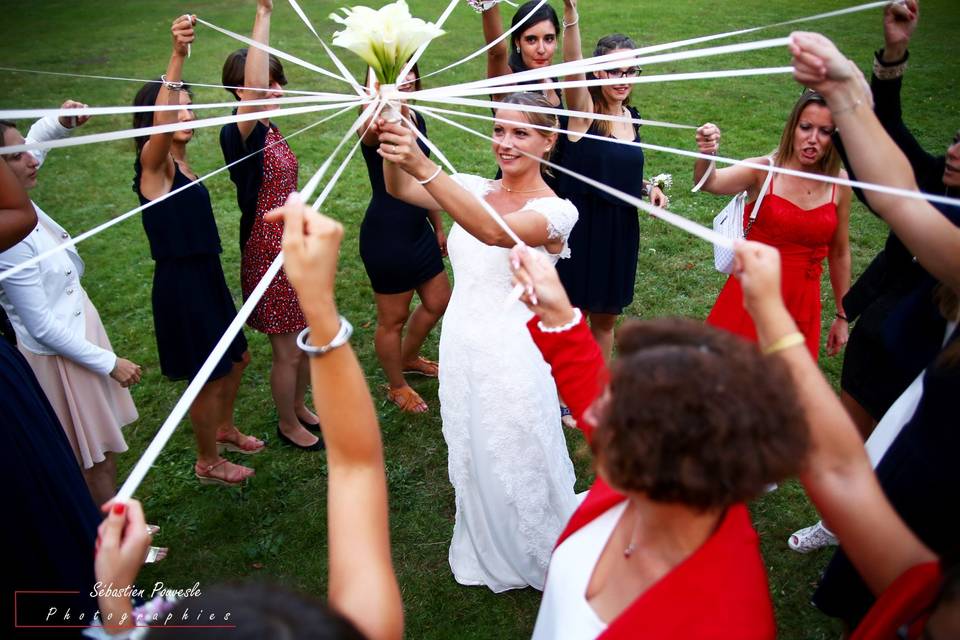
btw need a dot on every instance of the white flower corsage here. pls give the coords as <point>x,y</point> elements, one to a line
<point>662,181</point>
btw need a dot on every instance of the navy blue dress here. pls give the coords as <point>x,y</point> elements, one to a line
<point>398,245</point>
<point>192,305</point>
<point>600,274</point>
<point>51,520</point>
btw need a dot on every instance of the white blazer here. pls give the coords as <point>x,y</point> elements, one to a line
<point>45,302</point>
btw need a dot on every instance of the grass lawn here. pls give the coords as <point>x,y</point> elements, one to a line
<point>275,527</point>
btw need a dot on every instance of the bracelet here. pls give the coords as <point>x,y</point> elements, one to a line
<point>431,178</point>
<point>841,316</point>
<point>171,86</point>
<point>787,341</point>
<point>343,335</point>
<point>577,317</point>
<point>567,25</point>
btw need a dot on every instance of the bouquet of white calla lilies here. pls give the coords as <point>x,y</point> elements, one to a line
<point>385,39</point>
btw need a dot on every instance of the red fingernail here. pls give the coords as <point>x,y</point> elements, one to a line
<point>119,508</point>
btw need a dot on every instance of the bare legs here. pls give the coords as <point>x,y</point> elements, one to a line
<point>288,384</point>
<point>213,410</point>
<point>601,326</point>
<point>864,421</point>
<point>101,479</point>
<point>394,350</point>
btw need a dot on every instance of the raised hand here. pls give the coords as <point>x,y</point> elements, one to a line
<point>265,5</point>
<point>708,138</point>
<point>73,121</point>
<point>183,34</point>
<point>398,144</point>
<point>899,22</point>
<point>125,372</point>
<point>543,292</point>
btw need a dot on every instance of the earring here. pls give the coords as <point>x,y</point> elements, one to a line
<point>517,49</point>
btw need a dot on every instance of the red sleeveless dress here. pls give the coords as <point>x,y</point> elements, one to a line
<point>803,237</point>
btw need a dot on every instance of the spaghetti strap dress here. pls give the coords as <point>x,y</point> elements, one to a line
<point>192,305</point>
<point>398,245</point>
<point>802,236</point>
<point>602,269</point>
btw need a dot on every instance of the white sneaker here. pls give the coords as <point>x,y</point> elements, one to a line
<point>811,538</point>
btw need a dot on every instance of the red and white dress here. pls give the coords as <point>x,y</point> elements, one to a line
<point>719,592</point>
<point>279,310</point>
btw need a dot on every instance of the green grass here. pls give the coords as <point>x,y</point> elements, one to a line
<point>275,528</point>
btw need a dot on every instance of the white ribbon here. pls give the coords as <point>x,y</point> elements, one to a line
<point>276,52</point>
<point>14,114</point>
<point>139,471</point>
<point>868,186</point>
<point>152,81</point>
<point>489,46</point>
<point>109,223</point>
<point>170,128</point>
<point>419,52</point>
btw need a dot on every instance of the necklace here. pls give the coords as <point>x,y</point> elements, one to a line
<point>632,546</point>
<point>509,190</point>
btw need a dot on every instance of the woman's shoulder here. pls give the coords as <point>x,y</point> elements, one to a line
<point>478,185</point>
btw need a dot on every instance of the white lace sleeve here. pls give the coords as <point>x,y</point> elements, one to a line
<point>477,185</point>
<point>561,215</point>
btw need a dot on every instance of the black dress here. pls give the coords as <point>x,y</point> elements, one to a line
<point>896,333</point>
<point>398,245</point>
<point>602,269</point>
<point>192,305</point>
<point>51,520</point>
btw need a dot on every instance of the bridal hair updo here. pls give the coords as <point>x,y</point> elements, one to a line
<point>697,416</point>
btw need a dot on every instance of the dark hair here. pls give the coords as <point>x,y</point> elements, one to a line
<point>536,118</point>
<point>605,45</point>
<point>262,610</point>
<point>544,13</point>
<point>147,97</point>
<point>697,416</point>
<point>234,69</point>
<point>4,125</point>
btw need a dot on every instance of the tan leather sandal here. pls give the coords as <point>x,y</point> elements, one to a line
<point>407,399</point>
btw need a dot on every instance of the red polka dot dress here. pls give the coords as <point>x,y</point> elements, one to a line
<point>279,310</point>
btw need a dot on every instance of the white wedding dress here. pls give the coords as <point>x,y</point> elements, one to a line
<point>508,459</point>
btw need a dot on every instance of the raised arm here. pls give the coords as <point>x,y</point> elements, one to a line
<point>51,128</point>
<point>405,171</point>
<point>840,267</point>
<point>838,472</point>
<point>256,70</point>
<point>875,158</point>
<point>498,56</point>
<point>578,98</point>
<point>731,180</point>
<point>17,215</point>
<point>155,155</point>
<point>363,586</point>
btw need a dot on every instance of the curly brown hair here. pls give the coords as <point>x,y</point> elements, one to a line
<point>697,416</point>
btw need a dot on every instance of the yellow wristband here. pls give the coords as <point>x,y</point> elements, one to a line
<point>787,341</point>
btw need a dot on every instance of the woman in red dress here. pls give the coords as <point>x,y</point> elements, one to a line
<point>662,546</point>
<point>263,183</point>
<point>807,220</point>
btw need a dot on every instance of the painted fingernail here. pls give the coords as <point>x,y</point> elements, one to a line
<point>119,508</point>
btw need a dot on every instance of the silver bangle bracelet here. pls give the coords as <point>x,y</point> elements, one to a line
<point>171,86</point>
<point>431,178</point>
<point>342,337</point>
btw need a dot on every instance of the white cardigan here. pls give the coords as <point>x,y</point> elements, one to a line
<point>45,302</point>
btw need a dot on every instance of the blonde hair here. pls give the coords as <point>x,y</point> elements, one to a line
<point>830,163</point>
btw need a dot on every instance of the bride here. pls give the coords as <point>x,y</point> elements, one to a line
<point>508,459</point>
